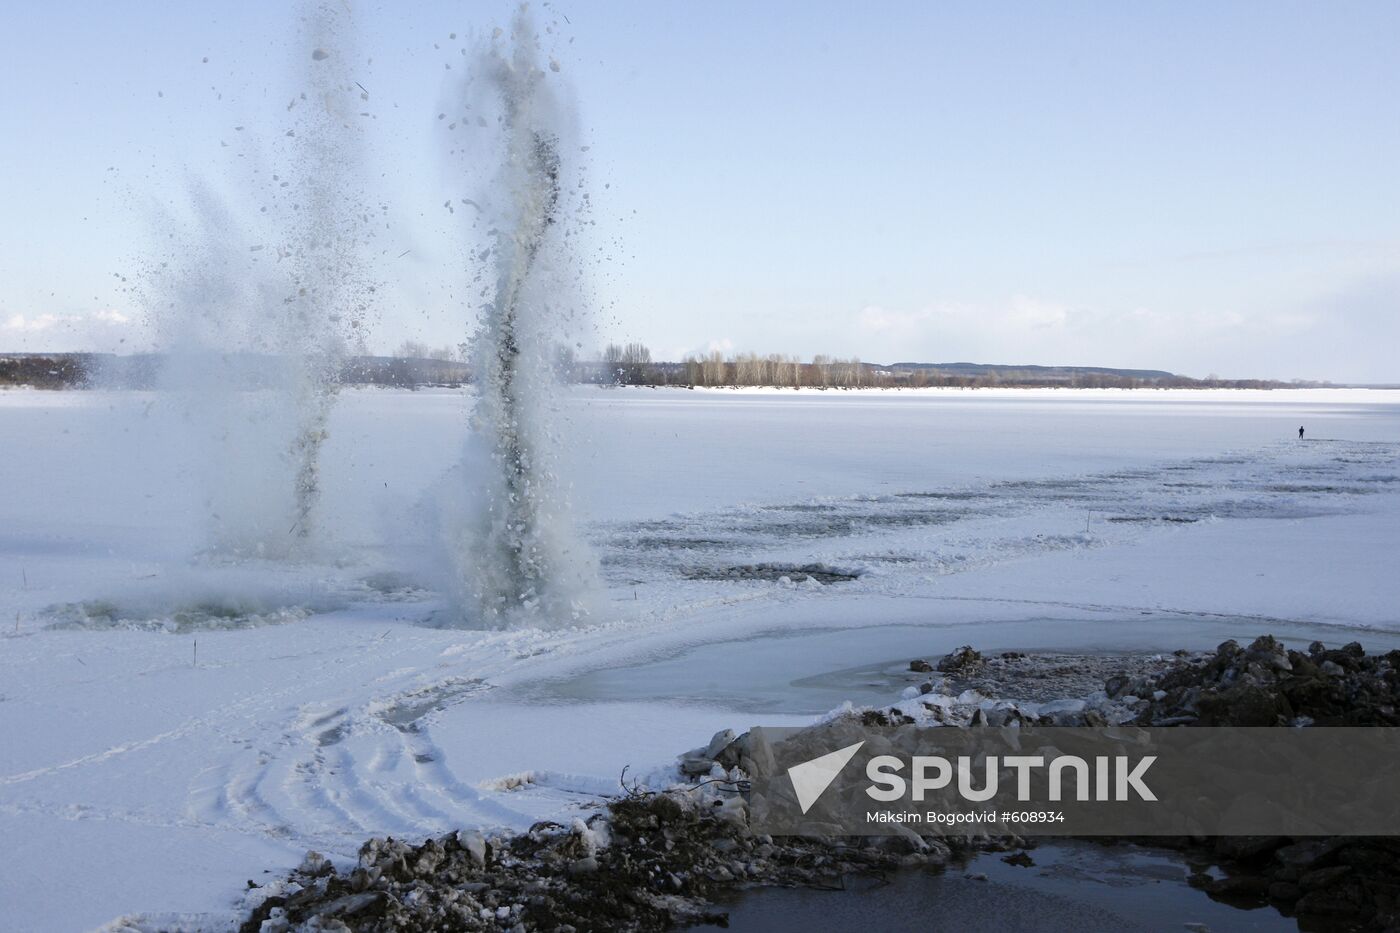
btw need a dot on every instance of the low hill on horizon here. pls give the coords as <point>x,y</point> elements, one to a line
<point>1033,369</point>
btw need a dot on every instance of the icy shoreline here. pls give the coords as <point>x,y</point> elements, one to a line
<point>658,858</point>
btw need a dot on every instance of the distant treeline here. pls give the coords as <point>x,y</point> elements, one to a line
<point>142,370</point>
<point>47,370</point>
<point>631,364</point>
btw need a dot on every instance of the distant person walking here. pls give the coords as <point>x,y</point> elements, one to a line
<point>1300,432</point>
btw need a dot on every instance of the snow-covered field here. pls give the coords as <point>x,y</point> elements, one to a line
<point>170,728</point>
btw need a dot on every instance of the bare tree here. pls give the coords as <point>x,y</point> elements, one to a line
<point>630,364</point>
<point>748,369</point>
<point>612,363</point>
<point>714,368</point>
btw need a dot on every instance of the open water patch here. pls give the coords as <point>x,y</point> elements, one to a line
<point>824,574</point>
<point>1057,886</point>
<point>195,617</point>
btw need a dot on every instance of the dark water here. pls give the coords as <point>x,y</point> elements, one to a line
<point>1073,886</point>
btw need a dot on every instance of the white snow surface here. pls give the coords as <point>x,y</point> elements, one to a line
<point>172,725</point>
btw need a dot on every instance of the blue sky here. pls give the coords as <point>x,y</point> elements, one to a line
<point>1191,186</point>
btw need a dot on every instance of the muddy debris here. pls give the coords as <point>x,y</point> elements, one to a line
<point>965,660</point>
<point>1267,684</point>
<point>645,861</point>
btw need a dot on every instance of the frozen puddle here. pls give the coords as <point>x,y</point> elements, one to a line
<point>1072,886</point>
<point>812,672</point>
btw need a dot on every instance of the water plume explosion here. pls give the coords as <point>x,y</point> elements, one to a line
<point>258,306</point>
<point>517,557</point>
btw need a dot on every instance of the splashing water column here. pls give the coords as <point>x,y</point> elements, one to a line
<point>518,559</point>
<point>513,448</point>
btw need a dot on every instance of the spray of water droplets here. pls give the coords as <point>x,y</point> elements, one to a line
<point>516,556</point>
<point>260,299</point>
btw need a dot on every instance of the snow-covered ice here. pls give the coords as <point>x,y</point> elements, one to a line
<point>174,726</point>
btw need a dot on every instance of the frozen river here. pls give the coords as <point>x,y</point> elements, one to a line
<point>763,557</point>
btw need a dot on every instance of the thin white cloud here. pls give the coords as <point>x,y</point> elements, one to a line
<point>1031,329</point>
<point>18,323</point>
<point>103,330</point>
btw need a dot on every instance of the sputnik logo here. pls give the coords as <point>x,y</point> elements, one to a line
<point>813,777</point>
